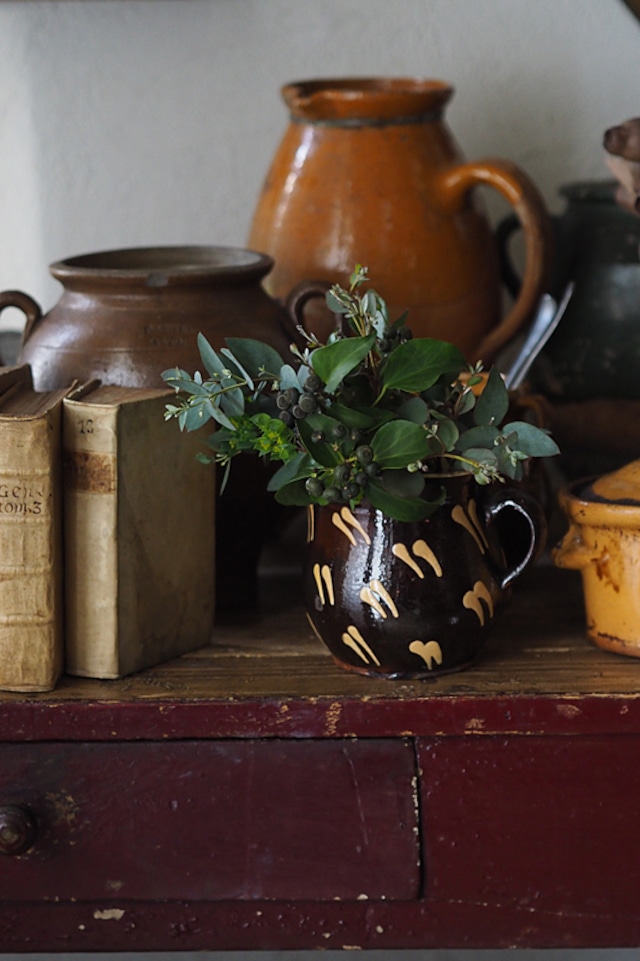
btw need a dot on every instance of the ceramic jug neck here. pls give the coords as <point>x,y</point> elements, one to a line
<point>368,101</point>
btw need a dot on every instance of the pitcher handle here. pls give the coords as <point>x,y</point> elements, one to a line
<point>520,552</point>
<point>28,306</point>
<point>299,297</point>
<point>520,191</point>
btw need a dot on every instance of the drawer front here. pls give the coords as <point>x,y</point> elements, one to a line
<point>546,824</point>
<point>304,819</point>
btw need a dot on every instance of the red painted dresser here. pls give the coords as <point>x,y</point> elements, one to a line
<point>252,795</point>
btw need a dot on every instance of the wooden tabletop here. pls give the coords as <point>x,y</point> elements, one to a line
<point>266,674</point>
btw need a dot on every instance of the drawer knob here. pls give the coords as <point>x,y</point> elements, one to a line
<point>17,829</point>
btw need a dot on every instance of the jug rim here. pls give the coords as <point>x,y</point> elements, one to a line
<point>367,98</point>
<point>161,265</point>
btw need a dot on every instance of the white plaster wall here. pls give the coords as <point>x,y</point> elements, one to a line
<point>135,122</point>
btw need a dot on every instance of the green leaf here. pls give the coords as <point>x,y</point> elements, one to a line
<point>299,467</point>
<point>219,416</point>
<point>188,386</point>
<point>532,440</point>
<point>481,455</point>
<point>175,373</point>
<point>236,363</point>
<point>493,403</point>
<point>321,451</point>
<point>335,306</point>
<point>415,409</point>
<point>225,476</point>
<point>467,402</point>
<point>484,436</point>
<point>351,417</point>
<point>335,361</point>
<point>211,361</point>
<point>448,433</point>
<point>255,356</point>
<point>417,364</point>
<point>293,495</point>
<point>400,508</point>
<point>193,418</point>
<point>398,444</point>
<point>506,465</point>
<point>288,377</point>
<point>402,483</point>
<point>231,401</point>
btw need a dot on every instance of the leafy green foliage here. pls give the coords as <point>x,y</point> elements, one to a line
<point>368,416</point>
<point>416,365</point>
<point>333,362</point>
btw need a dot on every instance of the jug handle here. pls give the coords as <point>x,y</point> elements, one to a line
<point>535,523</point>
<point>28,306</point>
<point>520,191</point>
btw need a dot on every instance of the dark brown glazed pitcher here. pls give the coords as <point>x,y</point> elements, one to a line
<point>418,599</point>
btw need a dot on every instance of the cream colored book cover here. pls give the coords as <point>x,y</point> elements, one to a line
<point>31,628</point>
<point>139,533</point>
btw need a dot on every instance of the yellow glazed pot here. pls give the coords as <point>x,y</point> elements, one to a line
<point>603,543</point>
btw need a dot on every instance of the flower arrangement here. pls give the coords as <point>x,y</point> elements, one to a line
<point>371,415</point>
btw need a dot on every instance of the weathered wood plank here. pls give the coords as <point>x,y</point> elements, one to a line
<point>269,676</point>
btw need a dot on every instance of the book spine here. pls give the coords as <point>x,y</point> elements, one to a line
<point>90,442</point>
<point>31,636</point>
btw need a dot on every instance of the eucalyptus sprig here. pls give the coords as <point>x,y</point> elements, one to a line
<point>368,416</point>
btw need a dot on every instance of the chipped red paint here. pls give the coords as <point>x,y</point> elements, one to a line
<point>497,809</point>
<point>427,716</point>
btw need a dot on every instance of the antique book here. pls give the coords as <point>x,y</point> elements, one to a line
<point>139,533</point>
<point>31,595</point>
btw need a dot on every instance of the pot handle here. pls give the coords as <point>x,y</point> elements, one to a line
<point>522,535</point>
<point>572,553</point>
<point>28,306</point>
<point>520,191</point>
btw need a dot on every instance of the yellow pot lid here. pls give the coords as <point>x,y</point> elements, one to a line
<point>622,486</point>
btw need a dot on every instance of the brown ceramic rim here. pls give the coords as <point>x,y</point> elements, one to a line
<point>165,264</point>
<point>358,101</point>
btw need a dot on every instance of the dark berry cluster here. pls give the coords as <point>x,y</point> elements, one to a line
<point>295,405</point>
<point>347,480</point>
<point>392,337</point>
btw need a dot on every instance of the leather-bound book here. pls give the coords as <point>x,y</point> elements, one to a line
<point>139,533</point>
<point>31,571</point>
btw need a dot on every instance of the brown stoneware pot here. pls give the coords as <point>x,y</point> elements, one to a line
<point>417,599</point>
<point>368,172</point>
<point>124,316</point>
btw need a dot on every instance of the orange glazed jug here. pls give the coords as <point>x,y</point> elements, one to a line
<point>367,172</point>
